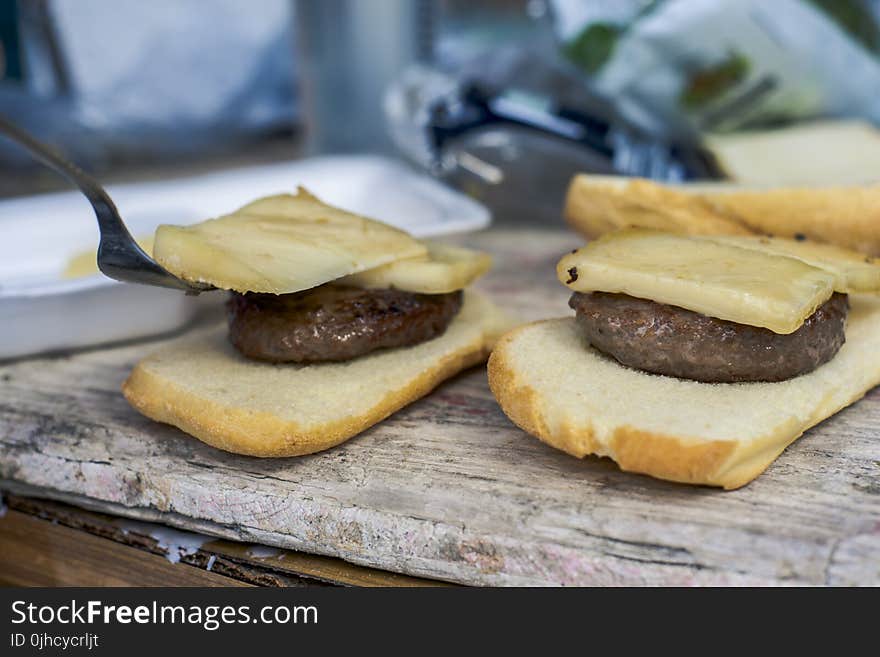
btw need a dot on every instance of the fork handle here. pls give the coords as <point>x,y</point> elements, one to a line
<point>105,210</point>
<point>118,253</point>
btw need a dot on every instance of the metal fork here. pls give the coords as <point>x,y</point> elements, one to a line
<point>119,256</point>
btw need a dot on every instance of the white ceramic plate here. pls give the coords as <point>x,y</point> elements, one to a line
<point>42,311</point>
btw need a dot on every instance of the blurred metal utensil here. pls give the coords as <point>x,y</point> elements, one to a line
<point>428,111</point>
<point>119,256</point>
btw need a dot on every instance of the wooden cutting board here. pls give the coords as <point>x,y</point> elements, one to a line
<point>448,488</point>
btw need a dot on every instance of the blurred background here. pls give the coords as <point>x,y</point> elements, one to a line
<point>432,115</point>
<point>503,99</point>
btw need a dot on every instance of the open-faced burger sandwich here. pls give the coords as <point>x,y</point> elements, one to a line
<point>696,359</point>
<point>335,321</point>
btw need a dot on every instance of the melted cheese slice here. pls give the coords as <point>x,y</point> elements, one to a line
<point>853,272</point>
<point>719,280</point>
<point>280,244</point>
<point>444,269</point>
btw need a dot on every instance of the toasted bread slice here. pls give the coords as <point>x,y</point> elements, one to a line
<point>555,387</point>
<point>848,216</point>
<point>836,152</point>
<point>203,386</point>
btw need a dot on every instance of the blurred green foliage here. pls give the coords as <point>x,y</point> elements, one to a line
<point>594,46</point>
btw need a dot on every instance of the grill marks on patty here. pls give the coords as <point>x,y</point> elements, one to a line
<point>676,342</point>
<point>335,322</point>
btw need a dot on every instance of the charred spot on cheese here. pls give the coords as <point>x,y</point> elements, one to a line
<point>572,275</point>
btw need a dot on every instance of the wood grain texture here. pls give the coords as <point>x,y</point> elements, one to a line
<point>39,553</point>
<point>448,488</point>
<point>65,537</point>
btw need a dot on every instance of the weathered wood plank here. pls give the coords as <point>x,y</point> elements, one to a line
<point>38,553</point>
<point>448,488</point>
<point>248,563</point>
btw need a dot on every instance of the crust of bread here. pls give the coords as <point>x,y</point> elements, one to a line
<point>555,387</point>
<point>844,215</point>
<point>202,386</point>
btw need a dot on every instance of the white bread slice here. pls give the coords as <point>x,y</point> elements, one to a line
<point>203,386</point>
<point>848,216</point>
<point>556,388</point>
<point>836,152</point>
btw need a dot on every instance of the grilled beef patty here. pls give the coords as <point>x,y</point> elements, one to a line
<point>670,340</point>
<point>335,322</point>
